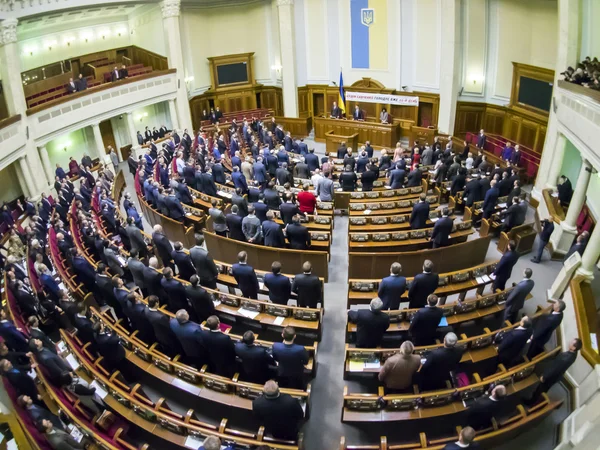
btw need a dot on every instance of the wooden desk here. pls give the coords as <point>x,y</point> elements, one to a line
<point>380,135</point>
<point>334,140</point>
<point>445,259</point>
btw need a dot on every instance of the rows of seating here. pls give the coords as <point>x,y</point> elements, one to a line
<point>387,208</point>
<point>389,223</point>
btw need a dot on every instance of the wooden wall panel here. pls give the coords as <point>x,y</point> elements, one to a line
<point>469,117</point>
<point>493,120</point>
<point>303,104</point>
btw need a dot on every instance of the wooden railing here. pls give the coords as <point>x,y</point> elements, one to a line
<point>587,318</point>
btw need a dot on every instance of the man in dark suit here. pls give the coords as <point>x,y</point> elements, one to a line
<point>239,180</point>
<point>490,199</point>
<point>440,362</point>
<point>54,365</point>
<point>137,316</point>
<point>307,287</point>
<point>554,372</point>
<point>424,324</point>
<point>397,177</point>
<point>245,276</point>
<point>81,83</point>
<point>392,288</point>
<point>20,381</point>
<point>336,111</point>
<point>200,300</point>
<point>420,213</point>
<point>414,177</point>
<point>358,114</point>
<point>368,178</point>
<point>281,414</point>
<point>577,247</point>
<point>544,238</point>
<point>544,327</point>
<point>238,199</point>
<point>517,296</point>
<point>115,75</point>
<point>422,286</point>
<point>14,339</point>
<point>162,330</point>
<point>472,191</point>
<point>288,210</point>
<point>183,261</point>
<point>33,324</point>
<point>442,229</point>
<point>348,179</point>
<point>466,439</point>
<point>504,267</point>
<point>123,72</point>
<point>108,346</point>
<point>189,336</point>
<point>176,211</point>
<point>176,298</point>
<point>371,324</point>
<point>220,347</point>
<point>255,359</point>
<point>298,235</point>
<point>480,413</point>
<point>234,224</point>
<point>272,232</point>
<point>71,86</point>
<point>279,285</point>
<point>565,191</point>
<point>163,246</point>
<point>291,359</point>
<point>341,151</point>
<point>513,343</point>
<point>512,215</point>
<point>481,139</point>
<point>153,278</point>
<point>205,266</point>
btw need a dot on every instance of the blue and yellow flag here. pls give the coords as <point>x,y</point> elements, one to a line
<point>369,20</point>
<point>341,95</point>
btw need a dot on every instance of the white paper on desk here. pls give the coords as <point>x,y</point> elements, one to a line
<point>247,313</point>
<point>192,442</point>
<point>387,187</point>
<point>373,365</point>
<point>216,302</point>
<point>491,276</point>
<point>479,280</point>
<point>278,320</point>
<point>61,286</point>
<point>555,194</point>
<point>76,434</point>
<point>32,374</point>
<point>403,305</point>
<point>261,286</point>
<point>224,194</point>
<point>100,392</point>
<point>594,342</point>
<point>367,211</point>
<point>338,190</point>
<point>480,210</point>
<point>121,260</point>
<point>61,346</point>
<point>435,219</point>
<point>1,437</point>
<point>12,445</point>
<point>487,278</point>
<point>72,362</point>
<point>501,205</point>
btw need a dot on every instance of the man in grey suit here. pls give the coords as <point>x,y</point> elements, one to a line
<point>58,439</point>
<point>205,266</point>
<point>110,253</point>
<point>517,296</point>
<point>136,238</point>
<point>325,190</point>
<point>218,219</point>
<point>136,267</point>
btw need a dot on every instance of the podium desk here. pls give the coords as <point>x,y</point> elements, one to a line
<point>380,135</point>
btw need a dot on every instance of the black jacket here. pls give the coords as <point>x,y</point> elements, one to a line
<point>201,301</point>
<point>308,289</point>
<point>370,326</point>
<point>424,324</point>
<point>298,236</point>
<point>163,247</point>
<point>421,286</point>
<point>234,224</point>
<point>441,231</point>
<point>255,362</point>
<point>436,370</point>
<point>512,345</point>
<point>184,264</point>
<point>221,352</point>
<point>281,416</point>
<point>419,215</point>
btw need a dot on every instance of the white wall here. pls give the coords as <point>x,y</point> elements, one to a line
<point>216,31</point>
<point>74,144</point>
<point>35,52</point>
<point>146,29</point>
<point>590,33</point>
<point>11,187</point>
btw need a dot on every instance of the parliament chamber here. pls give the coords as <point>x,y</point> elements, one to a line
<point>299,224</point>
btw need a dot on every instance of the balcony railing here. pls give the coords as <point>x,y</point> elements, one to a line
<point>12,140</point>
<point>99,103</point>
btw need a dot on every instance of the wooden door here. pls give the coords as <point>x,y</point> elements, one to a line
<point>425,114</point>
<point>319,105</point>
<point>108,137</point>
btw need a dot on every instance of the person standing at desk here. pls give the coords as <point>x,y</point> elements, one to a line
<point>384,116</point>
<point>357,114</point>
<point>336,111</point>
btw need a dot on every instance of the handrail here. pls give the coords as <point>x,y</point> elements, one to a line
<point>585,312</point>
<point>578,89</point>
<point>95,89</point>
<point>9,120</point>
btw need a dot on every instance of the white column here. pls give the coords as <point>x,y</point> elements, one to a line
<point>100,150</point>
<point>27,176</point>
<point>450,65</point>
<point>10,68</point>
<point>46,163</point>
<point>563,236</point>
<point>590,255</point>
<point>567,55</point>
<point>132,130</point>
<point>170,12</point>
<point>287,46</point>
<point>558,156</point>
<point>173,115</point>
<point>21,178</point>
